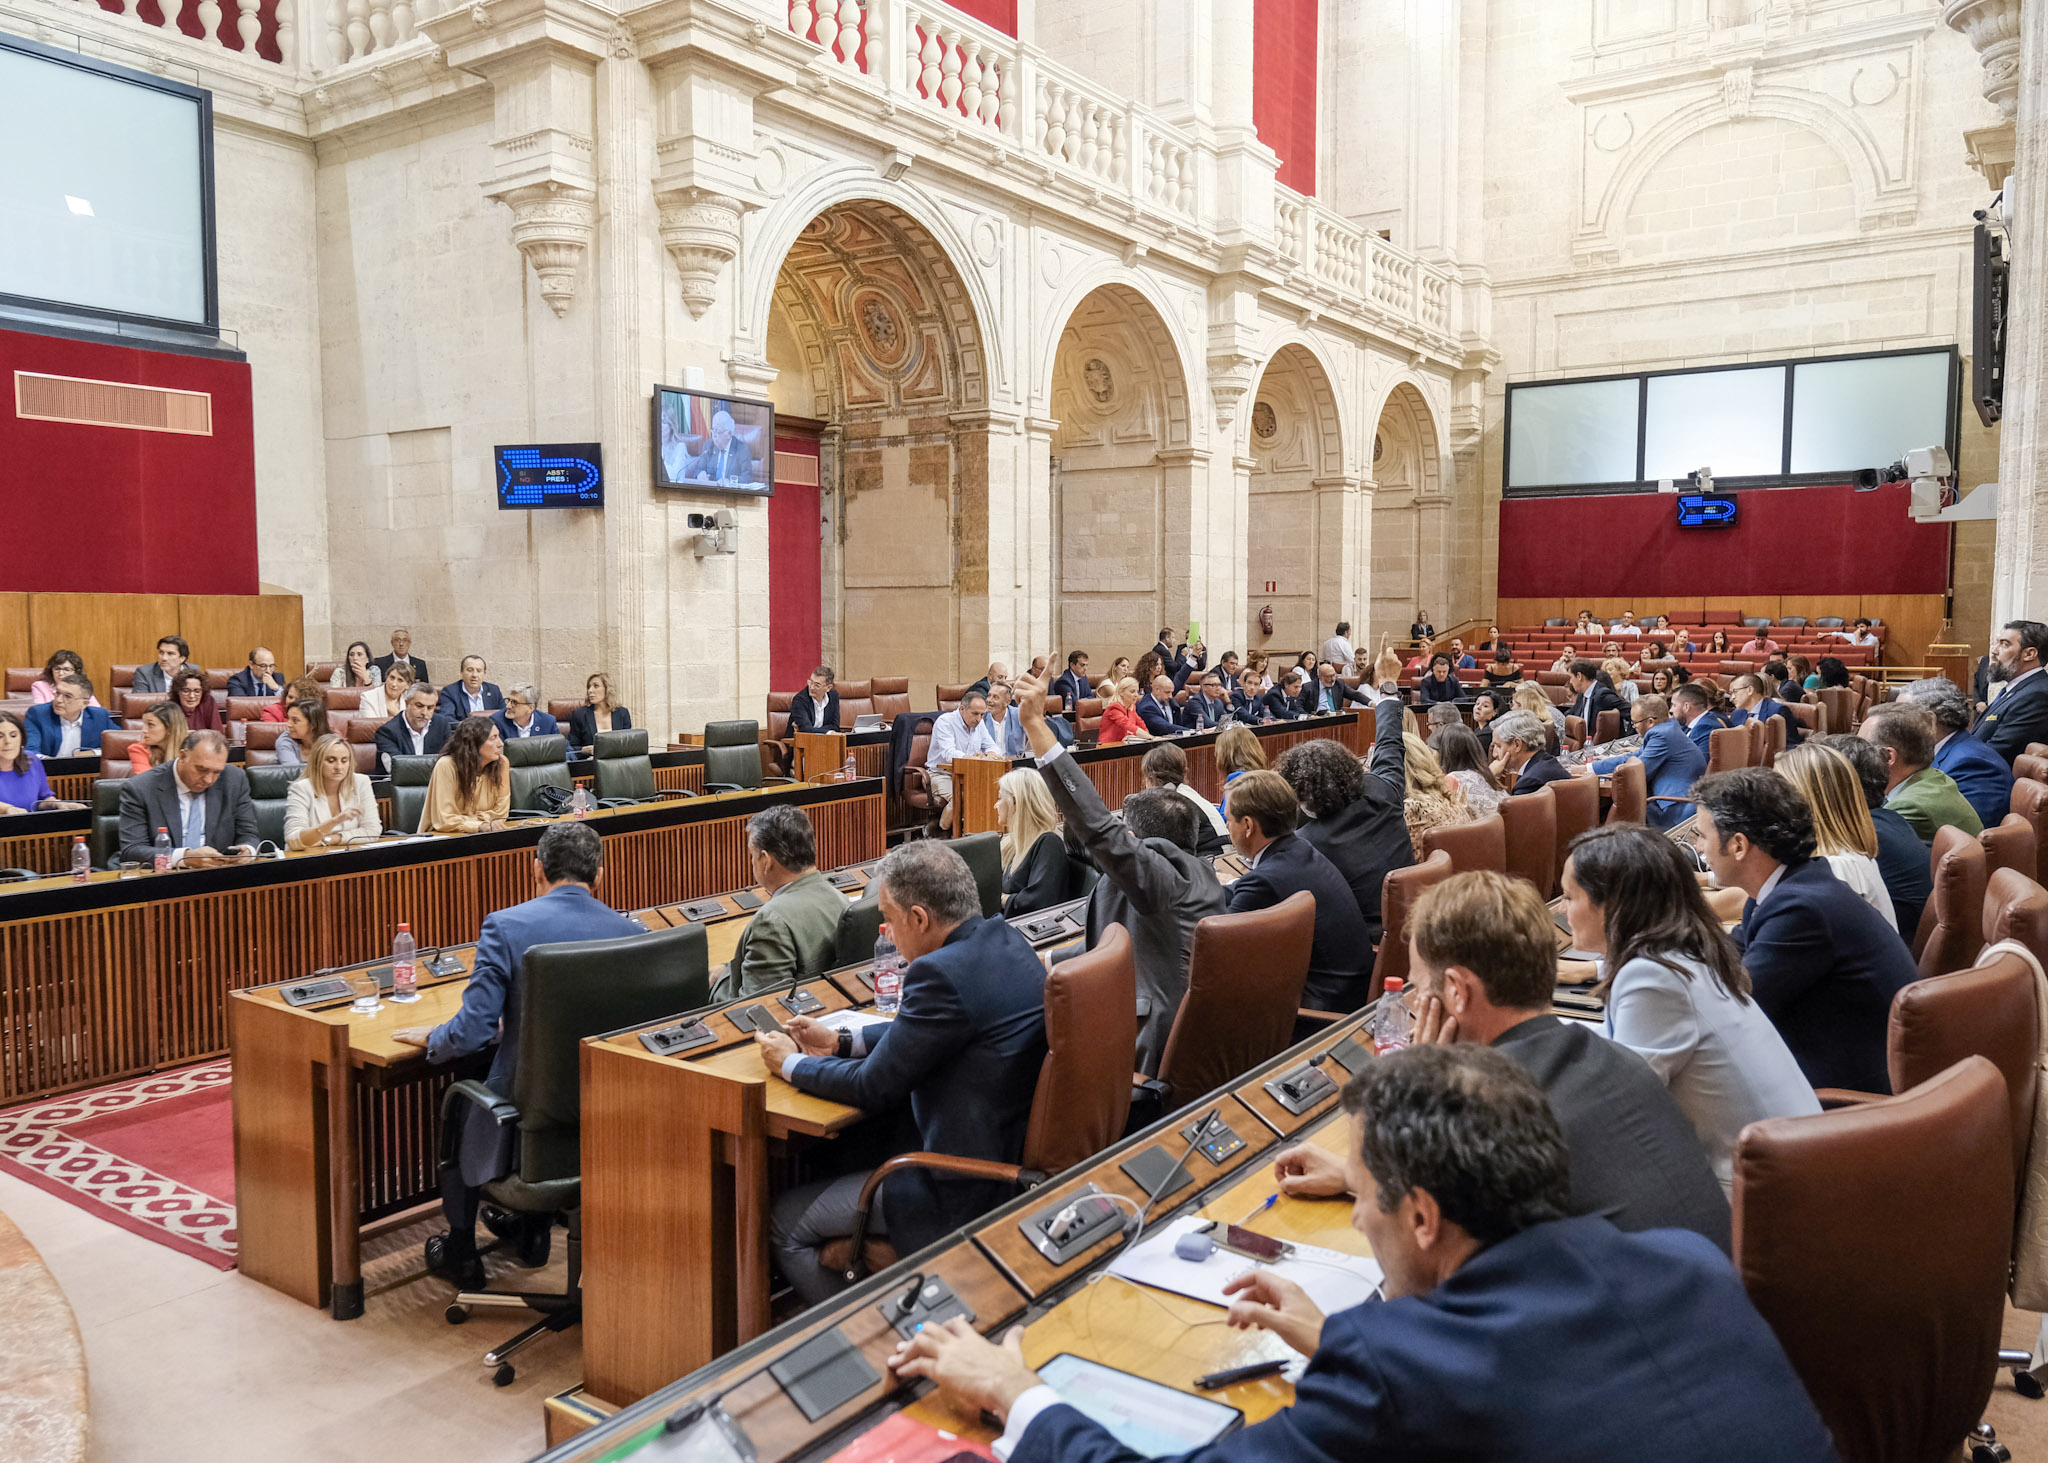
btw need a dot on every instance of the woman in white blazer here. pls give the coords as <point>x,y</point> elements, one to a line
<point>330,802</point>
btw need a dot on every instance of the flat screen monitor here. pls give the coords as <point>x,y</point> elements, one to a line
<point>713,442</point>
<point>550,475</point>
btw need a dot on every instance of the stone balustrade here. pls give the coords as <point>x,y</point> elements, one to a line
<point>1337,253</point>
<point>264,30</point>
<point>359,28</point>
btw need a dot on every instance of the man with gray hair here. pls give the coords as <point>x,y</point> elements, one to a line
<point>522,716</point>
<point>964,1051</point>
<point>793,934</point>
<point>1982,775</point>
<point>1521,746</point>
<point>958,733</point>
<point>196,797</point>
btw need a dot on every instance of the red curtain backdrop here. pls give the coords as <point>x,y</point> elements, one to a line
<point>1284,87</point>
<point>112,510</point>
<point>1825,540</point>
<point>1002,14</point>
<point>795,590</point>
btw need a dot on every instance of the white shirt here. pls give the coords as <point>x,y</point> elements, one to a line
<point>818,716</point>
<point>951,738</point>
<point>1338,649</point>
<point>1770,884</point>
<point>475,698</point>
<point>70,734</point>
<point>419,737</point>
<point>1023,1412</point>
<point>1618,628</point>
<point>1860,872</point>
<point>532,725</point>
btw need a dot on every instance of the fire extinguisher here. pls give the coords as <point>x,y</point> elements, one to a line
<point>1266,620</point>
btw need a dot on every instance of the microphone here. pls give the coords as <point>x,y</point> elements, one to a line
<point>1137,1228</point>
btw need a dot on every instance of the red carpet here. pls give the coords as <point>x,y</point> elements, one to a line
<point>154,1155</point>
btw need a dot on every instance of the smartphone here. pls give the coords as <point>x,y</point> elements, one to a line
<point>1251,1243</point>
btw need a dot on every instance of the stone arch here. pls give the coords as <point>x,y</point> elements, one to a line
<point>1298,351</point>
<point>1305,517</point>
<point>1667,217</point>
<point>1173,342</point>
<point>1121,488</point>
<point>1411,515</point>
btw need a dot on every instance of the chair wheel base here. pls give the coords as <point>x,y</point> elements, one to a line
<point>2028,1385</point>
<point>503,1376</point>
<point>1979,1452</point>
<point>456,1314</point>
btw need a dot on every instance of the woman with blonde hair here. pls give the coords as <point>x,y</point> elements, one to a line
<point>330,802</point>
<point>1434,801</point>
<point>1238,751</point>
<point>1532,698</point>
<point>600,711</point>
<point>1623,679</point>
<point>1842,831</point>
<point>163,733</point>
<point>1036,872</point>
<point>1120,720</point>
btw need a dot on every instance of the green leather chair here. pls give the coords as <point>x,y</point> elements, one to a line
<point>268,791</point>
<point>860,925</point>
<point>622,772</point>
<point>536,762</point>
<point>567,992</point>
<point>104,838</point>
<point>732,757</point>
<point>409,779</point>
<point>984,855</point>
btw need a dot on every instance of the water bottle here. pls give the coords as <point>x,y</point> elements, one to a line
<point>579,802</point>
<point>163,849</point>
<point>405,979</point>
<point>888,975</point>
<point>847,773</point>
<point>81,862</point>
<point>1392,1026</point>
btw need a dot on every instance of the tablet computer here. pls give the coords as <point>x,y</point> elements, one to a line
<point>1146,1416</point>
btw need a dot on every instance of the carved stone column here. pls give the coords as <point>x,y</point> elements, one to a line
<point>2020,585</point>
<point>1339,568</point>
<point>1993,27</point>
<point>552,224</point>
<point>700,228</point>
<point>1035,545</point>
<point>1185,535</point>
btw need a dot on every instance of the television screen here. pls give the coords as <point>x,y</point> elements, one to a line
<point>713,442</point>
<point>551,475</point>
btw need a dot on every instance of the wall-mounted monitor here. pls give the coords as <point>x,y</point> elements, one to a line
<point>550,475</point>
<point>1698,511</point>
<point>713,442</point>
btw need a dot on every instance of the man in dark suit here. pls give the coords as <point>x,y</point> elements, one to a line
<point>522,716</point>
<point>1156,708</point>
<point>1283,701</point>
<point>1591,695</point>
<point>1354,815</point>
<point>172,656</point>
<point>1747,692</point>
<point>198,799</point>
<point>1982,776</point>
<point>1463,1174</point>
<point>1695,713</point>
<point>68,724</point>
<point>1901,857</point>
<point>2018,714</point>
<point>401,649</point>
<point>472,695</point>
<point>567,868</point>
<point>1823,964</point>
<point>964,1052</point>
<point>1072,686</point>
<point>1327,694</point>
<point>1179,660</point>
<point>1521,748</point>
<point>816,707</point>
<point>1227,668</point>
<point>1153,883</point>
<point>259,677</point>
<point>725,458</point>
<point>1207,708</point>
<point>1262,810</point>
<point>419,730</point>
<point>1671,763</point>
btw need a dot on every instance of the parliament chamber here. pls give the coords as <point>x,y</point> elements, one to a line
<point>905,731</point>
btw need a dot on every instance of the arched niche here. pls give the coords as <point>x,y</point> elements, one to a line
<point>1305,518</point>
<point>1410,564</point>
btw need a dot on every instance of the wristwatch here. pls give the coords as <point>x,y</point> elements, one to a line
<point>845,1042</point>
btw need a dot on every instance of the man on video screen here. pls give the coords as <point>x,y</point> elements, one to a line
<point>725,461</point>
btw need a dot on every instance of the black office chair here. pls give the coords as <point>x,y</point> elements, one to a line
<point>537,762</point>
<point>566,992</point>
<point>104,837</point>
<point>984,855</point>
<point>622,772</point>
<point>860,925</point>
<point>18,876</point>
<point>409,779</point>
<point>732,757</point>
<point>269,792</point>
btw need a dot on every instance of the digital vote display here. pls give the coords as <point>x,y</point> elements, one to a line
<point>1695,510</point>
<point>551,475</point>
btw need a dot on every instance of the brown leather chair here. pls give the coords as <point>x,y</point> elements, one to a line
<point>778,736</point>
<point>1084,1088</point>
<point>1578,811</point>
<point>889,686</point>
<point>2011,845</point>
<point>1482,844</point>
<point>1529,828</point>
<point>2028,764</point>
<point>853,706</point>
<point>114,747</point>
<point>853,691</point>
<point>1628,792</point>
<point>248,708</point>
<point>2016,908</point>
<point>917,786</point>
<point>218,680</point>
<point>1398,892</point>
<point>1952,924</point>
<point>134,703</point>
<point>561,711</point>
<point>1774,739</point>
<point>123,677</point>
<point>949,696</point>
<point>1245,973</point>
<point>323,671</point>
<point>1606,726</point>
<point>1840,702</point>
<point>1727,749</point>
<point>261,744</point>
<point>1875,1240</point>
<point>1088,719</point>
<point>2030,800</point>
<point>1759,741</point>
<point>21,679</point>
<point>1574,731</point>
<point>891,704</point>
<point>1812,719</point>
<point>1985,1011</point>
<point>344,700</point>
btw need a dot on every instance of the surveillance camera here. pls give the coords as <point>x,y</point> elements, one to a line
<point>725,518</point>
<point>1980,214</point>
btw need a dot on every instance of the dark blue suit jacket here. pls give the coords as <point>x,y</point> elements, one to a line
<point>1204,714</point>
<point>1537,771</point>
<point>544,725</point>
<point>1702,732</point>
<point>1279,706</point>
<point>1320,700</point>
<point>1340,963</point>
<point>583,727</point>
<point>1668,1360</point>
<point>45,733</point>
<point>1903,862</point>
<point>1983,776</point>
<point>1162,720</point>
<point>1072,690</point>
<point>1671,765</point>
<point>454,702</point>
<point>1825,968</point>
<point>570,912</point>
<point>394,739</point>
<point>244,683</point>
<point>1770,706</point>
<point>965,1050</point>
<point>2017,717</point>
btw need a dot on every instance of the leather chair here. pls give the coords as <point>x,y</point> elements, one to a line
<point>259,741</point>
<point>622,772</point>
<point>858,690</point>
<point>918,797</point>
<point>2029,764</point>
<point>1828,622</point>
<point>344,700</point>
<point>1797,622</point>
<point>1482,844</point>
<point>1774,739</point>
<point>1986,1011</point>
<point>1727,749</point>
<point>1529,828</point>
<point>134,703</point>
<point>2030,800</point>
<point>852,707</point>
<point>535,763</point>
<point>104,837</point>
<point>561,711</point>
<point>362,740</point>
<point>1577,800</point>
<point>2016,908</point>
<point>247,708</point>
<point>409,778</point>
<point>567,992</point>
<point>1628,792</point>
<point>122,677</point>
<point>1245,974</point>
<point>949,696</point>
<point>1840,702</point>
<point>1875,1240</point>
<point>778,727</point>
<point>1606,726</point>
<point>1574,731</point>
<point>732,757</point>
<point>269,790</point>
<point>891,704</point>
<point>1812,719</point>
<point>21,679</point>
<point>984,855</point>
<point>114,747</point>
<point>1088,718</point>
<point>860,925</point>
<point>1952,925</point>
<point>2011,845</point>
<point>1081,1104</point>
<point>889,686</point>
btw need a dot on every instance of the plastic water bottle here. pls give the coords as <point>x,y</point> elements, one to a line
<point>888,975</point>
<point>81,862</point>
<point>1392,1026</point>
<point>847,773</point>
<point>405,977</point>
<point>163,849</point>
<point>579,802</point>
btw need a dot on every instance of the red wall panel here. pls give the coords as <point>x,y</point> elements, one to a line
<point>112,510</point>
<point>1284,87</point>
<point>1825,540</point>
<point>1002,14</point>
<point>795,574</point>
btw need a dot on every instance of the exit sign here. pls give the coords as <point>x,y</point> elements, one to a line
<point>1272,586</point>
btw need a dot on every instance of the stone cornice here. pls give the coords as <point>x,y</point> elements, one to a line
<point>1622,79</point>
<point>1885,245</point>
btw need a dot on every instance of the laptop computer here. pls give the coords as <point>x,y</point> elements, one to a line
<point>869,722</point>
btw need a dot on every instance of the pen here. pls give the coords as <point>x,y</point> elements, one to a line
<point>1260,1208</point>
<point>1216,1380</point>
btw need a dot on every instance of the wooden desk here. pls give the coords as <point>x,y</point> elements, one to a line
<point>123,975</point>
<point>817,754</point>
<point>974,791</point>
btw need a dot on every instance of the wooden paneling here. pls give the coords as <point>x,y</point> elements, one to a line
<point>1911,622</point>
<point>1527,611</point>
<point>14,637</point>
<point>46,853</point>
<point>223,628</point>
<point>105,629</point>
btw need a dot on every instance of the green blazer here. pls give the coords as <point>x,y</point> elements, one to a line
<point>1930,799</point>
<point>794,931</point>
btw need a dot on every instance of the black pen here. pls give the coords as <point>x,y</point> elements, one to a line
<point>1230,1378</point>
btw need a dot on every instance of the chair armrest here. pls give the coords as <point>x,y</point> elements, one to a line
<point>1834,1097</point>
<point>976,1168</point>
<point>766,780</point>
<point>1326,1018</point>
<point>514,813</point>
<point>723,787</point>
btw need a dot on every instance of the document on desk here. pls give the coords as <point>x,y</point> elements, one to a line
<point>843,1020</point>
<point>1334,1280</point>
